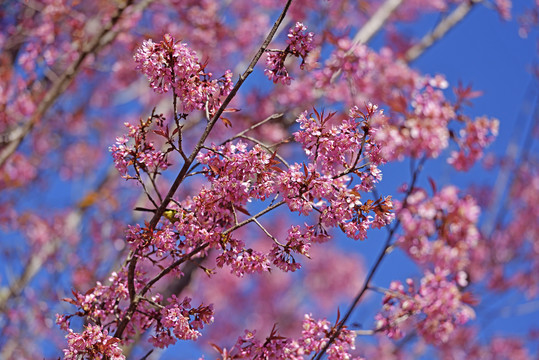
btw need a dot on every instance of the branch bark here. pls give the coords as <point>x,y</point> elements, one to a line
<point>440,30</point>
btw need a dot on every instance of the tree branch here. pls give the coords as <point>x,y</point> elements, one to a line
<point>440,30</point>
<point>184,170</point>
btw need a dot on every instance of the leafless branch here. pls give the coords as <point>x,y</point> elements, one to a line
<point>440,30</point>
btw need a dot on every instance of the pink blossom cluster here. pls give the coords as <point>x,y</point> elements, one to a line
<point>99,303</point>
<point>178,321</point>
<point>434,309</point>
<point>315,336</point>
<point>108,304</point>
<point>92,343</point>
<point>336,151</point>
<point>421,117</point>
<point>238,175</point>
<point>160,242</point>
<point>300,43</point>
<point>170,64</point>
<point>298,241</point>
<point>141,154</point>
<point>420,113</point>
<point>476,136</point>
<point>275,69</point>
<point>240,259</point>
<point>440,231</point>
<point>305,189</point>
<point>334,148</point>
<point>424,131</point>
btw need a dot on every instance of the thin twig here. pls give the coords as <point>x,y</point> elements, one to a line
<point>268,233</point>
<point>254,126</point>
<point>254,217</point>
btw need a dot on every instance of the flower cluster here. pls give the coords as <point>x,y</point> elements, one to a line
<point>421,117</point>
<point>334,148</point>
<point>336,151</point>
<point>140,153</point>
<point>180,320</point>
<point>298,242</point>
<point>300,43</point>
<point>105,305</point>
<point>424,131</point>
<point>315,336</point>
<point>238,175</point>
<point>241,259</point>
<point>167,64</point>
<point>441,231</point>
<point>170,64</point>
<point>161,241</point>
<point>100,303</point>
<point>92,343</point>
<point>434,309</point>
<point>476,136</point>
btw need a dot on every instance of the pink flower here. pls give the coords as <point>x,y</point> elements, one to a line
<point>435,309</point>
<point>92,343</point>
<point>172,65</point>
<point>300,43</point>
<point>182,320</point>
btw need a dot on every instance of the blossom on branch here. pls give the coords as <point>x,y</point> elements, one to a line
<point>300,43</point>
<point>92,343</point>
<point>435,309</point>
<point>170,64</point>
